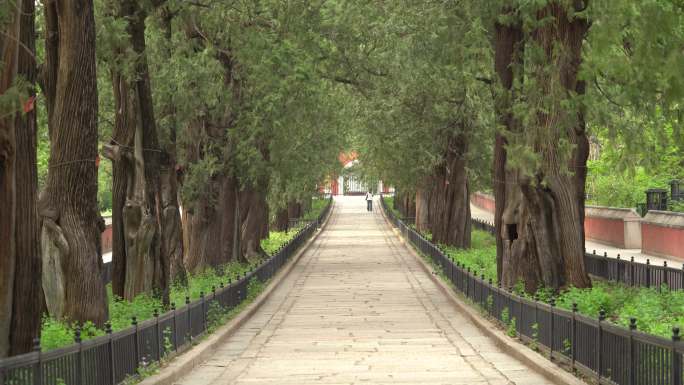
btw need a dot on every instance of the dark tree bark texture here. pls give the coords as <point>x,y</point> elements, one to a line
<point>71,220</point>
<point>28,292</point>
<point>450,221</point>
<point>140,254</point>
<point>541,224</point>
<point>8,173</point>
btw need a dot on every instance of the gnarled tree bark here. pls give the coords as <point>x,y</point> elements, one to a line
<point>141,261</point>
<point>541,223</point>
<point>71,220</point>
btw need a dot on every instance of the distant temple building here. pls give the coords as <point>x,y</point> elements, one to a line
<point>350,182</point>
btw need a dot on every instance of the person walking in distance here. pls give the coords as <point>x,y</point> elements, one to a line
<point>369,201</point>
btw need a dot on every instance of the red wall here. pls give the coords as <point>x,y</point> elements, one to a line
<point>107,239</point>
<point>484,202</point>
<point>605,230</point>
<point>660,240</point>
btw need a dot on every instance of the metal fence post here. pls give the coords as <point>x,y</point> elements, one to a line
<point>664,275</point>
<point>175,327</point>
<point>552,303</point>
<point>156,333</point>
<point>648,273</point>
<point>676,365</point>
<point>599,350</point>
<point>189,323</point>
<point>573,335</point>
<point>134,322</point>
<point>38,368</point>
<point>632,364</point>
<point>536,315</point>
<point>112,373</point>
<point>204,311</point>
<point>489,290</point>
<point>482,284</point>
<point>79,357</point>
<point>631,271</point>
<point>467,286</point>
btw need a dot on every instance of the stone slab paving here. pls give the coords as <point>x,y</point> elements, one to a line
<point>358,309</point>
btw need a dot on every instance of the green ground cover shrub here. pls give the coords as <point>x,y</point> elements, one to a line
<point>657,310</point>
<point>56,333</point>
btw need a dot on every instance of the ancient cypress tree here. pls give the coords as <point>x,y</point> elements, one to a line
<point>68,206</point>
<point>9,48</point>
<point>140,255</point>
<point>540,192</point>
<point>28,292</point>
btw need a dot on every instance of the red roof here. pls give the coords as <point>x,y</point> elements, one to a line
<point>346,158</point>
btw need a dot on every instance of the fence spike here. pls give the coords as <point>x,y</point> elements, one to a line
<point>675,334</point>
<point>632,323</point>
<point>602,315</point>
<point>77,335</point>
<point>552,302</point>
<point>108,327</point>
<point>173,306</point>
<point>134,320</point>
<point>155,314</point>
<point>664,263</point>
<point>36,344</point>
<point>187,300</point>
<point>574,307</point>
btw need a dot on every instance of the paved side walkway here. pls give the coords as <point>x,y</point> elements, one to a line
<point>358,309</point>
<point>591,247</point>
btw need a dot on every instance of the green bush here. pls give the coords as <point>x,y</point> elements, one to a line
<point>656,311</point>
<point>58,333</point>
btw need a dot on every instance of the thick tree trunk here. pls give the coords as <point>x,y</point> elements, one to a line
<point>508,49</point>
<point>28,292</point>
<point>141,260</point>
<point>541,223</point>
<point>282,220</point>
<point>422,208</point>
<point>72,256</point>
<point>450,204</point>
<point>8,173</point>
<point>254,215</point>
<point>210,227</point>
<point>294,209</point>
<point>172,235</point>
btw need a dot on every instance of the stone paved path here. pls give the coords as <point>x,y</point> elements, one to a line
<point>358,309</point>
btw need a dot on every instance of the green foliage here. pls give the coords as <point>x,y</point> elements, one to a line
<point>56,333</point>
<point>479,257</point>
<point>512,331</point>
<point>656,311</point>
<point>622,173</point>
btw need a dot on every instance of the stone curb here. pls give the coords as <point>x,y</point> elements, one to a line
<point>184,363</point>
<point>510,346</point>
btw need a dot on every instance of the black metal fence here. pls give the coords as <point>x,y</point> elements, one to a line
<point>110,359</point>
<point>598,349</point>
<point>625,271</point>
